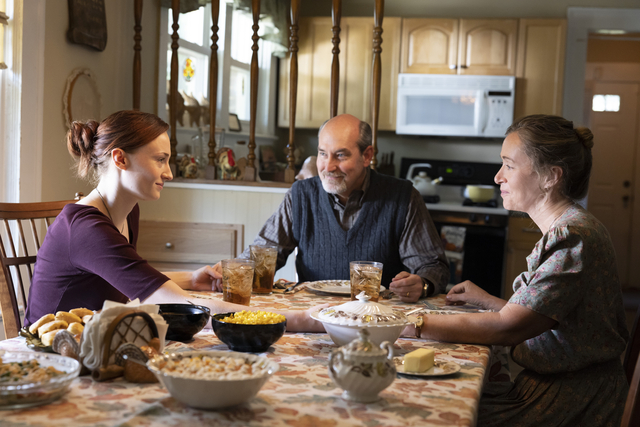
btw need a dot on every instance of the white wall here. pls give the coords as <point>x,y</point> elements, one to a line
<point>113,71</point>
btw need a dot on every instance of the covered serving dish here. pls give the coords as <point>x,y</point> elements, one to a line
<point>343,322</point>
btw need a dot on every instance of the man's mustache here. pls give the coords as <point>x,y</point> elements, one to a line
<point>333,175</point>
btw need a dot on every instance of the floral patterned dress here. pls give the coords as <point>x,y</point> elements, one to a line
<point>573,375</point>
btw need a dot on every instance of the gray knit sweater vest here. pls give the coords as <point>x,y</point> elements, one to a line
<point>325,249</point>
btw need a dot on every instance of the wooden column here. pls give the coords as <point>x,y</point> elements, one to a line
<point>250,172</point>
<point>173,86</point>
<point>210,172</point>
<point>378,15</point>
<point>137,67</point>
<point>336,13</point>
<point>290,171</point>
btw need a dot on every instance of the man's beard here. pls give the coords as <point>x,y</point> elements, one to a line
<point>331,188</point>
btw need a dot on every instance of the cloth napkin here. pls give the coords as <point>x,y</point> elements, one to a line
<point>93,335</point>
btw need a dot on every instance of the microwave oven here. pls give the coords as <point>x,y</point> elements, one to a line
<point>454,105</point>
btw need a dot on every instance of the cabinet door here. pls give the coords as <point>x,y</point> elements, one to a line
<point>487,46</point>
<point>522,237</point>
<point>540,66</point>
<point>429,46</point>
<point>356,58</point>
<point>314,75</point>
<point>314,72</point>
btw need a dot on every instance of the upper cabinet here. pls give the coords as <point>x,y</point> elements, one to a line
<point>540,66</point>
<point>356,55</point>
<point>459,46</point>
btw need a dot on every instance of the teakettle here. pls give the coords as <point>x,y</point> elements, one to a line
<point>361,369</point>
<point>425,185</point>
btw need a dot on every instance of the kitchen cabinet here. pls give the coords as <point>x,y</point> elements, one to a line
<point>522,236</point>
<point>540,67</point>
<point>459,46</point>
<point>356,54</point>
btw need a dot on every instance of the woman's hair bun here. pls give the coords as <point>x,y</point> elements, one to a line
<point>81,139</point>
<point>585,136</point>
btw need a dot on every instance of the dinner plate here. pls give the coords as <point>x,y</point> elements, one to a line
<point>440,368</point>
<point>333,287</point>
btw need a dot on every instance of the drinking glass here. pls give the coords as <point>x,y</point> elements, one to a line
<point>365,276</point>
<point>265,258</point>
<point>237,279</point>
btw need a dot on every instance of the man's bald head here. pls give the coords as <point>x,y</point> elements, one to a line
<point>360,131</point>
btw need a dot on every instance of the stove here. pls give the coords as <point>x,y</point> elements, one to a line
<point>484,225</point>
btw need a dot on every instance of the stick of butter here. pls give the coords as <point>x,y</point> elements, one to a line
<point>419,360</point>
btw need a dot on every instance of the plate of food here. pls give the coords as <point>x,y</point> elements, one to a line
<point>333,287</point>
<point>40,334</point>
<point>423,364</point>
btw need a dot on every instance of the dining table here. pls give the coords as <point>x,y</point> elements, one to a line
<point>300,394</point>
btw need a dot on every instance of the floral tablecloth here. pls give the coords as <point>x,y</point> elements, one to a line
<point>300,394</point>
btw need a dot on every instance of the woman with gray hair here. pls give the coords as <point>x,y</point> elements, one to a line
<point>565,322</point>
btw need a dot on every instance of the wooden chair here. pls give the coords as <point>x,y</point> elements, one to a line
<point>16,256</point>
<point>631,416</point>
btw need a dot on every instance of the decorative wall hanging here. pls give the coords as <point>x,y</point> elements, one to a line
<point>81,100</point>
<point>88,23</point>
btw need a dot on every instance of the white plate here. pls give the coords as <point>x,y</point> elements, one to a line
<point>334,287</point>
<point>440,368</point>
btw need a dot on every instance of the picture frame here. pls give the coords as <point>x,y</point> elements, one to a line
<point>234,123</point>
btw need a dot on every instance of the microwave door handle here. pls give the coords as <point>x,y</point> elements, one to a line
<point>483,106</point>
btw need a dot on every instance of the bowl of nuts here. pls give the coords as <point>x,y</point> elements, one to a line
<point>212,379</point>
<point>249,331</point>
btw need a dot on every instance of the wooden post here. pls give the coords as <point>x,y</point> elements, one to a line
<point>173,86</point>
<point>210,171</point>
<point>290,171</point>
<point>336,13</point>
<point>250,170</point>
<point>378,15</point>
<point>137,67</point>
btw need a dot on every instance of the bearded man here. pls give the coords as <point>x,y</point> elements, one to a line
<point>351,213</point>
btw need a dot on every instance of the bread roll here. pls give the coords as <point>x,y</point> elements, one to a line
<point>47,338</point>
<point>81,312</point>
<point>48,327</point>
<point>68,317</point>
<point>75,328</point>
<point>41,321</point>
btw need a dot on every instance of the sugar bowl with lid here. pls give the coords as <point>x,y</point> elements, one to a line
<point>362,369</point>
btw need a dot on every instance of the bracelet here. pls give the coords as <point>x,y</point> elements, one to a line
<point>418,325</point>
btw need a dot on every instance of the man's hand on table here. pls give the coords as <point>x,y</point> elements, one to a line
<point>407,286</point>
<point>206,278</point>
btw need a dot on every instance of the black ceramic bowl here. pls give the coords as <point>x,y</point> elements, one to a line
<point>184,320</point>
<point>248,338</point>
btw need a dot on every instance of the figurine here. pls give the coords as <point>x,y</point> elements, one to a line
<point>227,164</point>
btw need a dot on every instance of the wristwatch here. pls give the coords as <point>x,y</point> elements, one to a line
<point>418,325</point>
<point>425,288</point>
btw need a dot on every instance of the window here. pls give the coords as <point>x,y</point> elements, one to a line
<point>234,68</point>
<point>606,103</point>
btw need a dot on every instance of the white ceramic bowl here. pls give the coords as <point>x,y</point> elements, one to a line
<point>212,394</point>
<point>480,193</point>
<point>344,334</point>
<point>23,394</point>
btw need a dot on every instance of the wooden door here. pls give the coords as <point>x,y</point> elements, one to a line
<point>540,67</point>
<point>429,46</point>
<point>487,46</point>
<point>611,186</point>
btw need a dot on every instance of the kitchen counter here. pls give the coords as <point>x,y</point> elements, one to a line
<point>456,206</point>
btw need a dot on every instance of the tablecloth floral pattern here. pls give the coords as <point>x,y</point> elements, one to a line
<point>301,394</point>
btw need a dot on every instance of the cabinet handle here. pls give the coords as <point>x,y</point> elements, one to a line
<point>463,66</point>
<point>168,245</point>
<point>532,230</point>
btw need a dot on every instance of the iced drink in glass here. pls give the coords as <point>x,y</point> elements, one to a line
<point>237,280</point>
<point>265,258</point>
<point>365,276</point>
